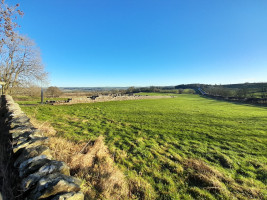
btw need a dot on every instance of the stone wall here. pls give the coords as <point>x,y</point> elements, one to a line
<point>104,98</point>
<point>39,176</point>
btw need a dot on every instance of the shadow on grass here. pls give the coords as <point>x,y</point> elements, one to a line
<point>237,102</point>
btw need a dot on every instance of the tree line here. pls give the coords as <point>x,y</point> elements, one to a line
<point>158,89</point>
<point>242,92</point>
<point>245,90</point>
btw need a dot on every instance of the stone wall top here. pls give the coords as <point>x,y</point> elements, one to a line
<point>41,177</point>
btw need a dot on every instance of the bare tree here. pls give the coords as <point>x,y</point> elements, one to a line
<point>8,15</point>
<point>31,91</point>
<point>242,93</point>
<point>53,91</point>
<point>263,92</point>
<point>130,90</point>
<point>20,63</point>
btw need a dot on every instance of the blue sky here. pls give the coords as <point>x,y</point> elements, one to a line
<point>148,42</point>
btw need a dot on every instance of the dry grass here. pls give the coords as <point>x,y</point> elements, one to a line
<point>141,189</point>
<point>201,167</point>
<point>200,175</point>
<point>90,162</point>
<point>96,166</point>
<point>45,127</point>
<point>203,176</point>
<point>102,179</point>
<point>152,141</point>
<point>61,148</point>
<point>245,192</point>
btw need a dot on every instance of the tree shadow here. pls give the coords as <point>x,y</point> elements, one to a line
<point>264,106</point>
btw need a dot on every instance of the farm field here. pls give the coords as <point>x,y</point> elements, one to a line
<point>187,147</point>
<point>155,94</point>
<point>35,100</point>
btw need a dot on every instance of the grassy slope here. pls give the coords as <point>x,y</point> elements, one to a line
<point>155,94</point>
<point>35,100</point>
<point>150,139</point>
<point>185,91</point>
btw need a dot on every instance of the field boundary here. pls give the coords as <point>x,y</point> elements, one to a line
<point>38,174</point>
<point>250,101</point>
<point>103,98</point>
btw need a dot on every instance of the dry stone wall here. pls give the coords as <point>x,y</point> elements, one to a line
<point>40,176</point>
<point>104,98</point>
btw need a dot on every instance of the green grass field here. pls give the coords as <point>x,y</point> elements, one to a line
<point>155,94</point>
<point>23,100</point>
<point>162,143</point>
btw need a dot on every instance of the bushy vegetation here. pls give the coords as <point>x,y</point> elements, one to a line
<point>244,90</point>
<point>161,90</point>
<point>167,92</point>
<point>236,92</point>
<point>186,147</point>
<point>240,91</point>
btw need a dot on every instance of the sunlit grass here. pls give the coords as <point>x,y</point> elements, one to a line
<point>156,94</point>
<point>24,100</point>
<point>153,141</point>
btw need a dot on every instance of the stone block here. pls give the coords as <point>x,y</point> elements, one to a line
<point>36,141</point>
<point>55,184</point>
<point>20,130</point>
<point>26,134</point>
<point>52,166</point>
<point>32,165</point>
<point>28,153</point>
<point>26,137</point>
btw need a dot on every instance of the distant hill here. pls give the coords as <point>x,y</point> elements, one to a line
<point>253,86</point>
<point>230,86</point>
<point>91,89</point>
<point>246,85</point>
